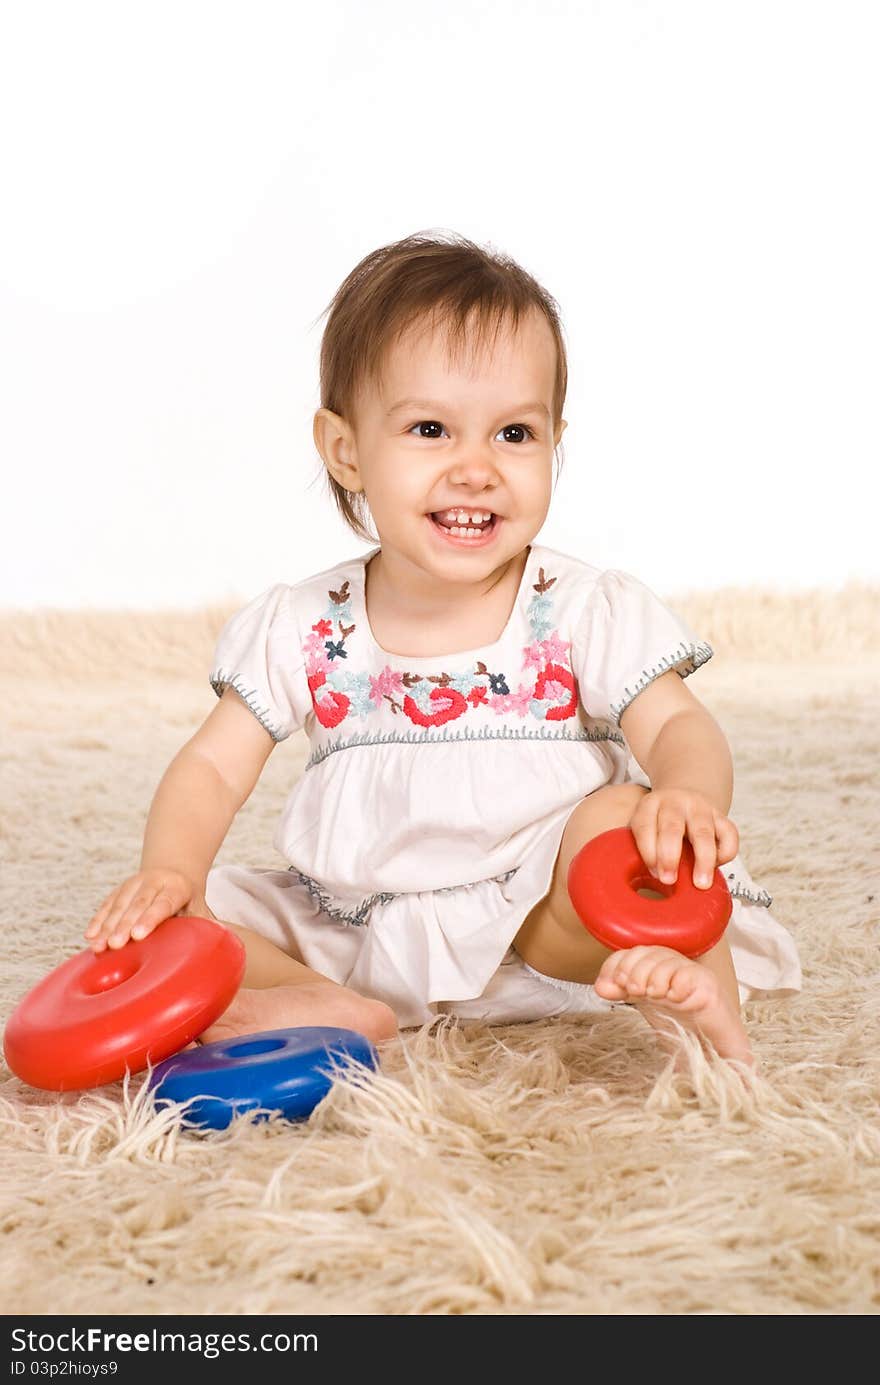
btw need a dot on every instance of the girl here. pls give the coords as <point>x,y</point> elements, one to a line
<point>477,705</point>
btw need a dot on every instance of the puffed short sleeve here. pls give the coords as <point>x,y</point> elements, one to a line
<point>258,654</point>
<point>624,638</point>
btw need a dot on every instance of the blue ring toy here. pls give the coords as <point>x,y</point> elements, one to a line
<point>285,1070</point>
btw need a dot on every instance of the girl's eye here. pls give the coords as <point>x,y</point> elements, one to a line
<point>509,428</point>
<point>518,428</point>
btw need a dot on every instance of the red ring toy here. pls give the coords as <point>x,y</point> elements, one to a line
<point>100,1013</point>
<point>603,882</point>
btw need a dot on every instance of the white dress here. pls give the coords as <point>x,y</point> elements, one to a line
<point>428,818</point>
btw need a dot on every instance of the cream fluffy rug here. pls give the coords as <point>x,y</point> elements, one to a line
<point>551,1168</point>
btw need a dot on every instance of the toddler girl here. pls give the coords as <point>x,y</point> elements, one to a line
<point>477,707</point>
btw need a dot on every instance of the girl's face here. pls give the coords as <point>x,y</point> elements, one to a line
<point>439,435</point>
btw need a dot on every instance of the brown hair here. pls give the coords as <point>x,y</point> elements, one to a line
<point>449,281</point>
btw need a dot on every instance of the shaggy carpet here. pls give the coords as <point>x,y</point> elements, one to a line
<point>560,1167</point>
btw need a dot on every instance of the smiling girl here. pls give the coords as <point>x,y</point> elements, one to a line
<point>477,705</point>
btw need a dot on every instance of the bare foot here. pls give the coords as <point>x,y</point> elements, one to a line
<point>662,982</point>
<point>318,1002</point>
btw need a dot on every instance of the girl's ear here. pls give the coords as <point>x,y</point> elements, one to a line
<point>334,440</point>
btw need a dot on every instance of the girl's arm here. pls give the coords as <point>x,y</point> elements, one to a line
<point>678,742</point>
<point>201,791</point>
<point>191,813</point>
<point>685,754</point>
<point>203,788</point>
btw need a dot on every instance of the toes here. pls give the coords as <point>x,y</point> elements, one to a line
<point>633,968</point>
<point>655,973</point>
<point>647,969</point>
<point>661,980</point>
<point>612,974</point>
<point>608,988</point>
<point>694,987</point>
<point>681,985</point>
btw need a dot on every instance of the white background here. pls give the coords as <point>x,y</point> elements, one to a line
<point>184,186</point>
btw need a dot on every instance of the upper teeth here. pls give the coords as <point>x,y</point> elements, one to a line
<point>464,517</point>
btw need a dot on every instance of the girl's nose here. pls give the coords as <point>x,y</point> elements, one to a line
<point>472,465</point>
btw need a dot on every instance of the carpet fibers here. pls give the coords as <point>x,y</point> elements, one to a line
<point>559,1167</point>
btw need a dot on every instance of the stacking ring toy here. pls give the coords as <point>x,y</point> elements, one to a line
<point>100,1013</point>
<point>603,882</point>
<point>286,1070</point>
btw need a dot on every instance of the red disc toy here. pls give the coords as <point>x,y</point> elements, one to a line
<point>99,1014</point>
<point>603,882</point>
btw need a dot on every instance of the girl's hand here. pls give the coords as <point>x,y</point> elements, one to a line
<point>665,816</point>
<point>138,906</point>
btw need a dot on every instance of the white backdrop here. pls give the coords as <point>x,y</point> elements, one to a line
<point>184,186</point>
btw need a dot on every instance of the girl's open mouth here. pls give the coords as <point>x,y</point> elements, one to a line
<point>468,535</point>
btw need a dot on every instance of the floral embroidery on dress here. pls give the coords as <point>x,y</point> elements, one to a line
<point>544,688</point>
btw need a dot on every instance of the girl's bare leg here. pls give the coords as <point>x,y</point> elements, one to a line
<point>278,992</point>
<point>701,995</point>
<point>697,993</point>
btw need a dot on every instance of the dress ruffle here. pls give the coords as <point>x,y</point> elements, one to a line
<point>434,951</point>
